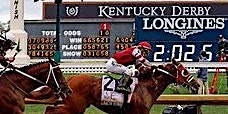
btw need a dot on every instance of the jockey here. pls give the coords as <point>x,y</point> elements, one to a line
<point>119,62</point>
<point>5,45</point>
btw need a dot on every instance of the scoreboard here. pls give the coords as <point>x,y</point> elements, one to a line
<point>96,30</point>
<point>78,40</point>
<point>183,40</point>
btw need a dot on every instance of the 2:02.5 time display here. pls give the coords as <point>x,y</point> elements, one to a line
<point>165,51</point>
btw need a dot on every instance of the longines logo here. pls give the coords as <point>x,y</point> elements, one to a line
<point>184,26</point>
<point>72,11</point>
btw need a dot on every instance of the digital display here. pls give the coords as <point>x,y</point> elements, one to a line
<point>181,37</point>
<point>95,46</point>
<point>41,47</point>
<point>164,51</point>
<point>88,40</point>
<point>123,42</point>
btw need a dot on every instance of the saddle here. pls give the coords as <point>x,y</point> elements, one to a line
<point>109,95</point>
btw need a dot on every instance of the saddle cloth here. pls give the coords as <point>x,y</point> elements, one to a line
<point>109,96</point>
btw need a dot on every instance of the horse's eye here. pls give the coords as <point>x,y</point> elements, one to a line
<point>184,73</point>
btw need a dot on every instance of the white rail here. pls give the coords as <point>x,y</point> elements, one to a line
<point>98,65</point>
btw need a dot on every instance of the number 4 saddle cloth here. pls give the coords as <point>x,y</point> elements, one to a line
<point>109,96</point>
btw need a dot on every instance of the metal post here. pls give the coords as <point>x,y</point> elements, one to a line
<point>57,53</point>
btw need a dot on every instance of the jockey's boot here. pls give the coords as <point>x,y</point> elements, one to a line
<point>123,85</point>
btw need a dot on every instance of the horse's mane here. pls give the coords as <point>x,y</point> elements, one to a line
<point>25,68</point>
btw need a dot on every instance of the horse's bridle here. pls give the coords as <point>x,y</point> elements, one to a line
<point>176,77</point>
<point>37,80</point>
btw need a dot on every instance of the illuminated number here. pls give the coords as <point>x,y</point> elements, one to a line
<point>42,47</point>
<point>106,39</point>
<point>47,41</point>
<point>93,46</point>
<point>208,52</point>
<point>97,53</point>
<point>107,46</point>
<point>88,46</point>
<point>46,46</point>
<point>92,53</point>
<point>179,52</point>
<point>102,46</point>
<point>84,53</point>
<point>102,39</point>
<point>33,53</point>
<point>106,53</point>
<point>38,53</point>
<point>84,46</point>
<point>29,40</point>
<point>93,40</point>
<point>122,46</point>
<point>51,53</point>
<point>159,52</point>
<point>29,53</point>
<point>191,52</point>
<point>51,40</point>
<point>107,33</point>
<point>117,40</point>
<point>29,47</point>
<point>89,39</point>
<point>42,53</point>
<point>131,40</point>
<point>42,40</point>
<point>126,40</point>
<point>84,40</point>
<point>122,39</point>
<point>46,53</point>
<point>52,47</point>
<point>104,33</point>
<point>33,47</point>
<point>38,40</point>
<point>117,46</point>
<point>33,40</point>
<point>105,26</point>
<point>38,47</point>
<point>98,40</point>
<point>101,33</point>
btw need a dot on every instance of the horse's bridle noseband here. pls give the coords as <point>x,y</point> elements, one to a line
<point>37,80</point>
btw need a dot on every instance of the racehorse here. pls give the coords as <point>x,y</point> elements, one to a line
<point>87,91</point>
<point>17,83</point>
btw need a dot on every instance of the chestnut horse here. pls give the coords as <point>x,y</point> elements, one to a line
<point>87,90</point>
<point>17,83</point>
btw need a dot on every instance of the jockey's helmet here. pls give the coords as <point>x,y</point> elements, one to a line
<point>145,45</point>
<point>145,48</point>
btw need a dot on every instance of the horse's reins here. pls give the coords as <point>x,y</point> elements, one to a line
<point>35,79</point>
<point>166,72</point>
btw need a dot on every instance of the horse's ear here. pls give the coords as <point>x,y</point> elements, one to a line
<point>175,62</point>
<point>53,63</point>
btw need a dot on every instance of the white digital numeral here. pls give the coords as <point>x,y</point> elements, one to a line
<point>179,52</point>
<point>159,52</point>
<point>208,52</point>
<point>190,52</point>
